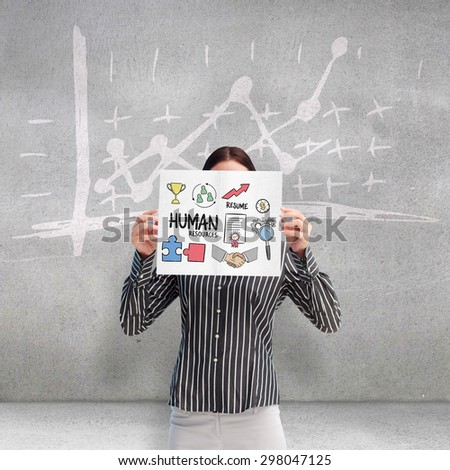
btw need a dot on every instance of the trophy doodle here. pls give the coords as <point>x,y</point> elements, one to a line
<point>176,189</point>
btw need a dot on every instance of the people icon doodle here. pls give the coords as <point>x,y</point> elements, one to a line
<point>204,195</point>
<point>201,196</point>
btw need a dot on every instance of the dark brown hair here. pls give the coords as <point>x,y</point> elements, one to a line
<point>229,153</point>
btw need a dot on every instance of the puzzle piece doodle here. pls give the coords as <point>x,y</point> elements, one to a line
<point>172,246</point>
<point>195,252</point>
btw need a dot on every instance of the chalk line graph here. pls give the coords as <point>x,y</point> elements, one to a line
<point>80,223</point>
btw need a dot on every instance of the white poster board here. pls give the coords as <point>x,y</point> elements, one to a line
<point>219,222</point>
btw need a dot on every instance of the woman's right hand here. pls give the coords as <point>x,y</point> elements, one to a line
<point>144,234</point>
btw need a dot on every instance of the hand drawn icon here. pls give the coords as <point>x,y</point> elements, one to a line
<point>236,192</point>
<point>176,189</point>
<point>234,231</point>
<point>263,227</point>
<point>235,236</point>
<point>195,252</point>
<point>204,195</point>
<point>235,260</point>
<point>262,205</point>
<point>172,245</point>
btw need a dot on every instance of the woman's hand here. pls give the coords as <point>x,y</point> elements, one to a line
<point>144,234</point>
<point>297,229</point>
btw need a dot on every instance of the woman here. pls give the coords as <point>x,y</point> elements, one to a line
<point>224,391</point>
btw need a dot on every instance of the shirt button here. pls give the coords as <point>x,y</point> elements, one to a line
<point>219,287</point>
<point>218,310</point>
<point>217,336</point>
<point>141,276</point>
<point>215,359</point>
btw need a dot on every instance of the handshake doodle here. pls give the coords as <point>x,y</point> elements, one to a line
<point>235,260</point>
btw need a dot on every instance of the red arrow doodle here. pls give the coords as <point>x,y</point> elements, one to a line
<point>236,192</point>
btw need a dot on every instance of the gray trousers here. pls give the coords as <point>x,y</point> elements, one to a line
<point>253,429</point>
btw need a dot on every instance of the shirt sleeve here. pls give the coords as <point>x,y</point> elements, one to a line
<point>311,290</point>
<point>217,253</point>
<point>145,295</point>
<point>251,255</point>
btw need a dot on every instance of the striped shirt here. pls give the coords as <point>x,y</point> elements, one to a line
<point>224,362</point>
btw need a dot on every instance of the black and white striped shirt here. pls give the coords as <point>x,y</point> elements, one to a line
<point>224,363</point>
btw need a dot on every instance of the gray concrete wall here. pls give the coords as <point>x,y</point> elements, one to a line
<point>70,67</point>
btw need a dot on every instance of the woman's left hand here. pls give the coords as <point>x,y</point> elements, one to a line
<point>296,229</point>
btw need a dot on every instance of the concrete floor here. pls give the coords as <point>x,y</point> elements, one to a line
<point>144,425</point>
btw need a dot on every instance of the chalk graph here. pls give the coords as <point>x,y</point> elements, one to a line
<point>239,93</point>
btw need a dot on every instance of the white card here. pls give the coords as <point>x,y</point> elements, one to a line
<point>219,223</point>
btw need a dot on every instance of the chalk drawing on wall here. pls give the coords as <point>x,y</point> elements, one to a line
<point>218,111</point>
<point>111,62</point>
<point>33,154</point>
<point>331,184</point>
<point>206,153</point>
<point>320,208</point>
<point>116,118</point>
<point>300,185</point>
<point>80,223</point>
<point>378,109</point>
<point>371,181</point>
<point>35,195</point>
<point>311,147</point>
<point>338,149</point>
<point>40,121</point>
<point>335,110</point>
<point>155,60</point>
<point>419,71</point>
<point>167,117</point>
<point>266,114</point>
<point>374,147</point>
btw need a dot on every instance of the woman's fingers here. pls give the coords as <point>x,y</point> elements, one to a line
<point>292,212</point>
<point>144,234</point>
<point>294,224</point>
<point>145,229</point>
<point>143,218</point>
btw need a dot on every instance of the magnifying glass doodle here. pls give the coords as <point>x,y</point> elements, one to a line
<point>265,232</point>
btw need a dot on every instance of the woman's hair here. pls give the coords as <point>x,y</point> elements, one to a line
<point>229,153</point>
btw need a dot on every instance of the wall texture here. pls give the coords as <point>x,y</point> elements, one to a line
<point>349,99</point>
